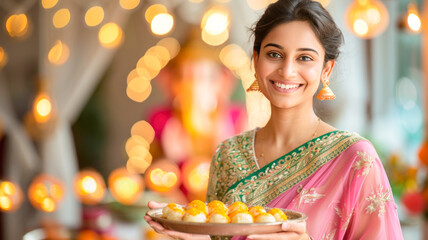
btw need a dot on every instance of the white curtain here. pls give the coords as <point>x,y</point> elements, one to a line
<point>70,85</point>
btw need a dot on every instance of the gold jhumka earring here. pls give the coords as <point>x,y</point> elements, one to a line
<point>325,93</point>
<point>254,86</point>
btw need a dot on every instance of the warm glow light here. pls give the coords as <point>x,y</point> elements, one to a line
<point>17,25</point>
<point>139,84</point>
<point>161,54</point>
<point>46,4</point>
<point>48,205</point>
<point>45,192</point>
<point>367,18</point>
<point>259,4</point>
<point>42,108</point>
<point>215,40</point>
<point>125,187</point>
<point>11,196</point>
<point>172,45</point>
<point>196,173</point>
<point>234,57</point>
<point>144,130</point>
<point>414,22</point>
<point>129,4</point>
<point>89,186</point>
<point>139,97</point>
<point>3,58</point>
<point>360,27</point>
<point>154,10</point>
<point>94,16</point>
<point>215,22</point>
<point>134,141</point>
<point>59,53</point>
<point>110,35</point>
<point>162,23</point>
<point>196,1</point>
<point>162,176</point>
<point>61,18</point>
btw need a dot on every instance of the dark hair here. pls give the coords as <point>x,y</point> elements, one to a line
<point>284,11</point>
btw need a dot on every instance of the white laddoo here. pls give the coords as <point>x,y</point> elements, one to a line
<point>278,214</point>
<point>265,218</point>
<point>173,212</point>
<point>241,217</point>
<point>218,217</point>
<point>195,215</point>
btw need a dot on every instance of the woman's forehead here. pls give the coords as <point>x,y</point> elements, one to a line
<point>295,34</point>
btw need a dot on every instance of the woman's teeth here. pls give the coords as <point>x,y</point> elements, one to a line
<point>286,86</point>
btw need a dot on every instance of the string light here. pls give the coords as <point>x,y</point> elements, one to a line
<point>94,16</point>
<point>4,58</point>
<point>129,4</point>
<point>59,53</point>
<point>89,186</point>
<point>17,25</point>
<point>367,18</point>
<point>11,196</point>
<point>110,35</point>
<point>163,176</point>
<point>45,193</point>
<point>42,108</point>
<point>61,18</point>
<point>162,24</point>
<point>47,4</point>
<point>154,10</point>
<point>125,187</point>
<point>413,19</point>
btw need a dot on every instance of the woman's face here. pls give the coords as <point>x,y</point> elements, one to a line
<point>291,64</point>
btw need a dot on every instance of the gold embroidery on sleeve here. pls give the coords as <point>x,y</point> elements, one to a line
<point>378,200</point>
<point>365,162</point>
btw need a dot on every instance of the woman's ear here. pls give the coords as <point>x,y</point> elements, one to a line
<point>255,57</point>
<point>328,69</point>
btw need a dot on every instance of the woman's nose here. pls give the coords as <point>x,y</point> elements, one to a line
<point>287,69</point>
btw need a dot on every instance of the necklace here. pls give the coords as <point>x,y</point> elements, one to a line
<point>262,154</point>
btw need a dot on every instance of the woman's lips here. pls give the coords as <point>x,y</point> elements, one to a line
<point>286,87</point>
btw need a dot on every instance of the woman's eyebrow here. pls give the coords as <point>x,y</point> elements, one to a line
<point>282,48</point>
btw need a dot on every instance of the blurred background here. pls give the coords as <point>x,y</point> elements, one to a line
<point>106,104</point>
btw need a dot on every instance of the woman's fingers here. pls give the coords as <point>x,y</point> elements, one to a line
<point>298,227</point>
<point>153,204</point>
<point>291,230</point>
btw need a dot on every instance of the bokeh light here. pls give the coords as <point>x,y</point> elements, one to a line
<point>162,24</point>
<point>4,58</point>
<point>89,186</point>
<point>324,3</point>
<point>110,35</point>
<point>47,4</point>
<point>42,108</point>
<point>172,45</point>
<point>154,10</point>
<point>11,196</point>
<point>61,18</point>
<point>45,193</point>
<point>144,130</point>
<point>129,4</point>
<point>17,25</point>
<point>413,20</point>
<point>59,53</point>
<point>126,187</point>
<point>215,40</point>
<point>94,16</point>
<point>367,18</point>
<point>215,21</point>
<point>195,175</point>
<point>163,176</point>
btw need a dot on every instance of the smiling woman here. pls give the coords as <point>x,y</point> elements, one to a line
<point>297,161</point>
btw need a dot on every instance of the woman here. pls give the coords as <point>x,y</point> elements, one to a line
<point>297,161</point>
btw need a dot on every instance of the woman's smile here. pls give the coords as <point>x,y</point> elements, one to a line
<point>285,87</point>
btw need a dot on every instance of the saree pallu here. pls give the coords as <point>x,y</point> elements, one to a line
<point>336,179</point>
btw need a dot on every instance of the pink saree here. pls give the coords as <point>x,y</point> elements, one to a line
<point>337,180</point>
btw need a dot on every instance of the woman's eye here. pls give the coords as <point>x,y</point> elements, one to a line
<point>274,55</point>
<point>305,58</point>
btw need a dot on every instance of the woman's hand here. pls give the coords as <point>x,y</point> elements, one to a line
<point>291,231</point>
<point>176,235</point>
